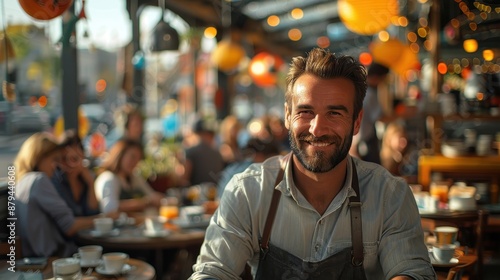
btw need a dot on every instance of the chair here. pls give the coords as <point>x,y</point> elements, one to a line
<point>471,226</point>
<point>456,272</point>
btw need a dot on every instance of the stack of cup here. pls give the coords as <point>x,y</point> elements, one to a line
<point>444,249</point>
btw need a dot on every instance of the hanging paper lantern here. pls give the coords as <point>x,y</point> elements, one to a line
<point>367,17</point>
<point>45,9</point>
<point>227,55</point>
<point>97,144</point>
<point>264,69</point>
<point>395,55</point>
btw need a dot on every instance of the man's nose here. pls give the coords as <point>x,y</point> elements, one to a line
<point>318,126</point>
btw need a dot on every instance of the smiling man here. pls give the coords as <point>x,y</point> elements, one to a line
<point>317,213</point>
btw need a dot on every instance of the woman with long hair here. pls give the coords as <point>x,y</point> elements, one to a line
<point>118,187</point>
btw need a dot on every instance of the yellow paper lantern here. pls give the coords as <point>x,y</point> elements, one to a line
<point>395,55</point>
<point>367,17</point>
<point>227,55</point>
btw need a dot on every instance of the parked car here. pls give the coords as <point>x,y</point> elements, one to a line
<point>30,119</point>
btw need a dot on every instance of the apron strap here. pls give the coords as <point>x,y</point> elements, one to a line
<point>264,244</point>
<point>355,207</point>
<point>356,229</point>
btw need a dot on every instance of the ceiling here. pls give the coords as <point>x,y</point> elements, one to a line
<point>321,19</point>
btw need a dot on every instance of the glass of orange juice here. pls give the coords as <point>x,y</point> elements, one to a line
<point>439,190</point>
<point>169,208</point>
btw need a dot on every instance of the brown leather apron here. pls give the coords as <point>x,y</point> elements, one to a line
<point>275,263</point>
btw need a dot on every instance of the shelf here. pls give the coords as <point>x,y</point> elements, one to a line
<point>465,167</point>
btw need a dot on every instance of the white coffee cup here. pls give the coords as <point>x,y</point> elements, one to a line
<point>114,262</point>
<point>66,269</point>
<point>193,214</point>
<point>103,225</point>
<point>155,223</point>
<point>443,252</point>
<point>446,235</point>
<point>89,255</point>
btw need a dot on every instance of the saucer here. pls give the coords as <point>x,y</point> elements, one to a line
<point>436,263</point>
<point>113,232</point>
<point>92,263</point>
<point>161,233</point>
<point>101,270</point>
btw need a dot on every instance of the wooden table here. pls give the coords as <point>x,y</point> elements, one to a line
<point>133,238</point>
<point>472,222</point>
<point>140,271</point>
<point>442,270</point>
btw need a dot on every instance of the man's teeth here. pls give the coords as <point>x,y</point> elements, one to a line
<point>316,144</point>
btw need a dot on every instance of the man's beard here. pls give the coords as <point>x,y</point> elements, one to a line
<point>321,161</point>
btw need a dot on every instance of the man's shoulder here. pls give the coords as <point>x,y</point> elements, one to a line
<point>269,167</point>
<point>376,174</point>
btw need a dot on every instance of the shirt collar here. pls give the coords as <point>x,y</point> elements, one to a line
<point>288,188</point>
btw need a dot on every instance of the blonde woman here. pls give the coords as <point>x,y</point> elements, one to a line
<point>45,222</point>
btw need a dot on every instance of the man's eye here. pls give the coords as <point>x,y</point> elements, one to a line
<point>305,113</point>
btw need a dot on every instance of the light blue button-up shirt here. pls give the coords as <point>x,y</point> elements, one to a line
<point>393,240</point>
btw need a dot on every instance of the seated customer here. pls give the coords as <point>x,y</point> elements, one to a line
<point>73,181</point>
<point>118,187</point>
<point>44,220</point>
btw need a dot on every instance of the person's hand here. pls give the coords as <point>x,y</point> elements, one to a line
<point>113,215</point>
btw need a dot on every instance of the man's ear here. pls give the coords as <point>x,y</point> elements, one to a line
<point>357,122</point>
<point>287,116</point>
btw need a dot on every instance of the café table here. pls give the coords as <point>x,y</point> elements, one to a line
<point>140,270</point>
<point>462,259</point>
<point>188,240</point>
<point>471,224</point>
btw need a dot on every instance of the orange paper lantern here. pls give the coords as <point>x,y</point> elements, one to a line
<point>264,69</point>
<point>367,17</point>
<point>45,9</point>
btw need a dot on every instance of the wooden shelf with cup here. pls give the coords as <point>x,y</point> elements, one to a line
<point>471,168</point>
<point>467,167</point>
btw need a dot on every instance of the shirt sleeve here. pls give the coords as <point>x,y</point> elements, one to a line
<point>228,232</point>
<point>402,247</point>
<point>107,189</point>
<point>45,194</point>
